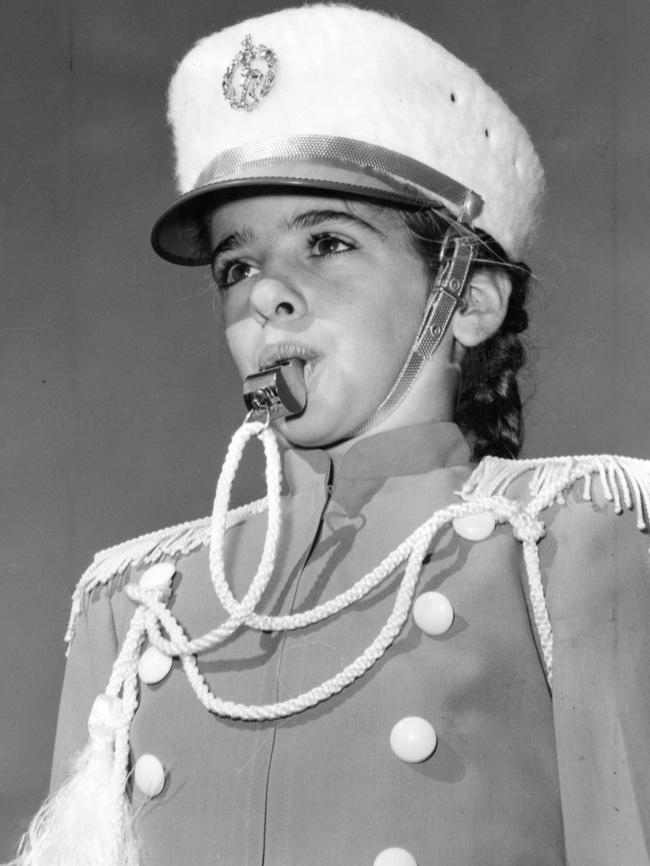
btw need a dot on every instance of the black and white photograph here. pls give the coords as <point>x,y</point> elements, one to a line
<point>325,448</point>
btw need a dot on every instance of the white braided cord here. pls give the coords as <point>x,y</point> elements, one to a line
<point>124,682</point>
<point>538,604</point>
<point>332,686</point>
<point>287,622</point>
<point>273,474</point>
<point>413,549</point>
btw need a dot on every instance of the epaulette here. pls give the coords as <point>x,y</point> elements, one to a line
<point>625,481</point>
<point>168,543</point>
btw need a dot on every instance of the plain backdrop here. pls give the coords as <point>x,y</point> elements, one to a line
<point>117,398</point>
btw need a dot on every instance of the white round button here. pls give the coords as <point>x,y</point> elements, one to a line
<point>395,857</point>
<point>475,527</point>
<point>149,775</point>
<point>153,666</point>
<point>159,576</point>
<point>433,613</point>
<point>413,739</point>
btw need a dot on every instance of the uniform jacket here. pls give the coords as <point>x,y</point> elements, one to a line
<point>522,773</point>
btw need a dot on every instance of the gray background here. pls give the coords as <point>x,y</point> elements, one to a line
<point>117,397</point>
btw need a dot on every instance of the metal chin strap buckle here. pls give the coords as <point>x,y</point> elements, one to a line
<point>456,258</point>
<point>276,392</point>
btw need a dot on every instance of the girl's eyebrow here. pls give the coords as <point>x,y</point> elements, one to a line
<point>312,218</point>
<point>308,219</point>
<point>233,241</point>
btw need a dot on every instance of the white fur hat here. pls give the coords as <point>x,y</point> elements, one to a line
<point>336,97</point>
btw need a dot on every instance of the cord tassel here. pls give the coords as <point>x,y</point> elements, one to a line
<point>88,821</point>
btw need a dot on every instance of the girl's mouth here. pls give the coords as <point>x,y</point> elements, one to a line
<point>284,350</point>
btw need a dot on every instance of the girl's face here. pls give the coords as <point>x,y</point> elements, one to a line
<point>332,281</point>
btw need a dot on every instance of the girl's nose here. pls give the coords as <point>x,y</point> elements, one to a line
<point>273,299</point>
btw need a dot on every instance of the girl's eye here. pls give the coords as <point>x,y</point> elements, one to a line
<point>329,245</point>
<point>229,273</point>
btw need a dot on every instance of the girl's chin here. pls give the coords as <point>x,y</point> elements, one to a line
<point>303,432</point>
<point>311,429</point>
<point>326,421</point>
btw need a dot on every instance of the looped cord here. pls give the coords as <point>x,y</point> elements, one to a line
<point>167,635</point>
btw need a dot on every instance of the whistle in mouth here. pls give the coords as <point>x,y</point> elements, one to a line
<point>279,390</point>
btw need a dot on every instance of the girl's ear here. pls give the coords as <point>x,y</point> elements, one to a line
<point>484,308</point>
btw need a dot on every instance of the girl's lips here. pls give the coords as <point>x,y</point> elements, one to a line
<point>283,351</point>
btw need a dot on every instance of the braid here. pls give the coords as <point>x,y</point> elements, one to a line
<point>488,407</point>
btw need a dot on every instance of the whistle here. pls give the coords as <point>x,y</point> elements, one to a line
<point>278,390</point>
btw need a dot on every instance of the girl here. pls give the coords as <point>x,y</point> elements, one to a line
<point>399,656</point>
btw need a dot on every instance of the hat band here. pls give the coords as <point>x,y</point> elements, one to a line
<point>307,152</point>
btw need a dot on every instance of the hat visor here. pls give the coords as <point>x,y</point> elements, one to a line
<point>181,234</point>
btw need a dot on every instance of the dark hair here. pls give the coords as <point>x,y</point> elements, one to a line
<point>488,406</point>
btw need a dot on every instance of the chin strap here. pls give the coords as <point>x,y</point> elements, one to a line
<point>456,258</point>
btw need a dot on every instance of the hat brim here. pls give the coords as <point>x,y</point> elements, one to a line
<point>181,234</point>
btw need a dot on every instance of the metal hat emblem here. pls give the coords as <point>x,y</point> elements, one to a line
<point>250,75</point>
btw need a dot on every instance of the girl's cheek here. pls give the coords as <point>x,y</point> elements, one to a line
<point>234,307</point>
<point>237,346</point>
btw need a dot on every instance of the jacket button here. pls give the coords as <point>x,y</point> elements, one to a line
<point>433,613</point>
<point>394,857</point>
<point>149,775</point>
<point>475,527</point>
<point>159,576</point>
<point>153,666</point>
<point>413,739</point>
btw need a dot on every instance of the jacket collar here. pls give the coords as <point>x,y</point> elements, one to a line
<point>405,451</point>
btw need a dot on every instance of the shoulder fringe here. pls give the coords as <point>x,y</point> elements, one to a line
<point>174,541</point>
<point>625,481</point>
